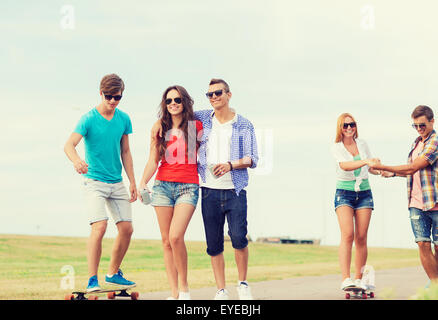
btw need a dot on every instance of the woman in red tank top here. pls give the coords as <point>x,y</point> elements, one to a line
<point>176,187</point>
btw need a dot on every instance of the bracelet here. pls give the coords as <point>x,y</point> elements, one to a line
<point>231,166</point>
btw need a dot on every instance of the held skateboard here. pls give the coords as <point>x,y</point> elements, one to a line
<point>111,294</point>
<point>356,292</point>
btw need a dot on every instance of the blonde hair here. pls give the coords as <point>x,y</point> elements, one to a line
<point>341,119</point>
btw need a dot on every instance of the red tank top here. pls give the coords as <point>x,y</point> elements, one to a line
<point>178,165</point>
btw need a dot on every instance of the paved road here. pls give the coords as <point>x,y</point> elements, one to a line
<point>394,284</point>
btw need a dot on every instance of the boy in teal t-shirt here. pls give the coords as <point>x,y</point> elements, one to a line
<point>102,144</point>
<point>105,131</point>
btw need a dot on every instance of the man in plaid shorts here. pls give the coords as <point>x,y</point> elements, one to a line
<point>422,181</point>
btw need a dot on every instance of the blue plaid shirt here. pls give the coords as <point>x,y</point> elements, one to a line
<point>243,144</point>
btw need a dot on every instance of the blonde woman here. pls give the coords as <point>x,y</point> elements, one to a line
<point>353,198</point>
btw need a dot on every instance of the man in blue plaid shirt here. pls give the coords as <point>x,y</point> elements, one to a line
<point>422,180</point>
<point>228,147</point>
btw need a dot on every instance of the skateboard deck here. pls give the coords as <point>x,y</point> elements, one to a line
<point>356,292</point>
<point>111,294</point>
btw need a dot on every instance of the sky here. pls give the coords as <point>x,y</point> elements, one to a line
<point>292,67</point>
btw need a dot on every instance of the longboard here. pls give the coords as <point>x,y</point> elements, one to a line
<point>111,294</point>
<point>356,292</point>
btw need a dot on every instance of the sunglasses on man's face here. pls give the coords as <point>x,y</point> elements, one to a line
<point>109,97</point>
<point>218,93</point>
<point>169,101</point>
<point>419,126</point>
<point>351,124</point>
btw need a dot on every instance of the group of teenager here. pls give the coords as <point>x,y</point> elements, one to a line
<point>354,201</point>
<point>218,144</point>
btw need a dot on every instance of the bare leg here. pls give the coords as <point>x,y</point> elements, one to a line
<point>428,260</point>
<point>436,256</point>
<point>182,214</point>
<point>218,265</point>
<point>346,224</point>
<point>362,222</point>
<point>98,230</point>
<point>241,257</point>
<point>164,216</point>
<point>121,245</point>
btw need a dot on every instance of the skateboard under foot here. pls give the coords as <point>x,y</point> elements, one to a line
<point>111,294</point>
<point>359,293</point>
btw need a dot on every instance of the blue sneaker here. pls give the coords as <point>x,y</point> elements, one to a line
<point>93,284</point>
<point>118,280</point>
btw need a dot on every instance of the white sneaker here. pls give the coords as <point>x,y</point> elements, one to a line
<point>244,291</point>
<point>170,298</point>
<point>222,294</point>
<point>347,283</point>
<point>358,283</point>
<point>184,296</point>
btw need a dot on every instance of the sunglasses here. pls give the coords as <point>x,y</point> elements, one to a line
<point>351,124</point>
<point>419,126</point>
<point>218,93</point>
<point>109,97</point>
<point>169,101</point>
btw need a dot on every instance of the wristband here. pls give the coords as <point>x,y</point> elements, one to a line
<point>231,166</point>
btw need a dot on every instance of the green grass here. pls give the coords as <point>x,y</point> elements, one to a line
<point>430,293</point>
<point>30,266</point>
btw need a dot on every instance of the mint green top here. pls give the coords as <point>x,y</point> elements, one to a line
<point>349,185</point>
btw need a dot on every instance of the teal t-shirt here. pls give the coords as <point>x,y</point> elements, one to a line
<point>102,144</point>
<point>349,185</point>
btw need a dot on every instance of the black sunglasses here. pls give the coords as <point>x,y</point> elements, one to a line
<point>351,124</point>
<point>418,126</point>
<point>109,97</point>
<point>169,101</point>
<point>218,93</point>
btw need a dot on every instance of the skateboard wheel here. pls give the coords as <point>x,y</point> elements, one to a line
<point>364,296</point>
<point>371,294</point>
<point>134,295</point>
<point>93,297</point>
<point>111,295</point>
<point>347,296</point>
<point>69,297</point>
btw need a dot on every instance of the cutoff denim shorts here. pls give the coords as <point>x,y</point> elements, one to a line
<point>169,194</point>
<point>113,195</point>
<point>424,225</point>
<point>353,199</point>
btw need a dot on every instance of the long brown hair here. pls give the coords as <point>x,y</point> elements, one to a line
<point>166,118</point>
<point>340,124</point>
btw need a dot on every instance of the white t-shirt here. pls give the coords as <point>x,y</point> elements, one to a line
<point>218,151</point>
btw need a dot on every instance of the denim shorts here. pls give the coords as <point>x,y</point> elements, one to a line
<point>424,225</point>
<point>169,194</point>
<point>353,199</point>
<point>216,205</point>
<point>113,195</point>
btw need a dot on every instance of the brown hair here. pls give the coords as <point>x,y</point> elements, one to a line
<point>216,81</point>
<point>112,84</point>
<point>422,111</point>
<point>166,118</point>
<point>340,125</point>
